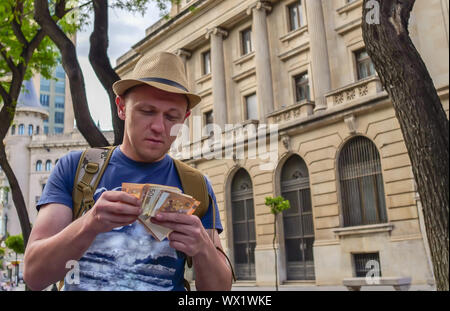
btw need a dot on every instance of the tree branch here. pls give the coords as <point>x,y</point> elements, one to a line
<point>5,96</point>
<point>60,9</point>
<point>18,33</point>
<point>17,195</point>
<point>72,68</point>
<point>98,57</point>
<point>8,60</point>
<point>33,45</point>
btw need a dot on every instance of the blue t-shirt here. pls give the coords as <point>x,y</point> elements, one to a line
<point>126,258</point>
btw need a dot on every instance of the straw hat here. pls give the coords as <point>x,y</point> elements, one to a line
<point>162,70</point>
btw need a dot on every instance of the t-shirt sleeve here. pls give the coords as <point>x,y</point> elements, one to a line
<point>59,186</point>
<point>207,220</point>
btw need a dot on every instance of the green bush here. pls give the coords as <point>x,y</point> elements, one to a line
<point>15,242</point>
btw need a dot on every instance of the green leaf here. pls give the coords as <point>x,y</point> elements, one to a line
<point>15,242</point>
<point>277,205</point>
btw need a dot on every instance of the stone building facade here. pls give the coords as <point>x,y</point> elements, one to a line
<point>340,155</point>
<point>342,161</point>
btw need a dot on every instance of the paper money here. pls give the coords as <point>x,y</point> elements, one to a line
<point>138,189</point>
<point>157,231</point>
<point>160,198</point>
<point>176,202</point>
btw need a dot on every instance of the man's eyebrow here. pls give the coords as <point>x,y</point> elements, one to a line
<point>156,108</point>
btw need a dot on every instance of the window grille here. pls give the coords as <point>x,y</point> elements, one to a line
<point>243,218</point>
<point>298,220</point>
<point>361,180</point>
<point>367,264</point>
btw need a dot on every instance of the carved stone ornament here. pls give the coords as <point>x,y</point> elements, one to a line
<point>216,31</point>
<point>258,6</point>
<point>286,140</point>
<point>350,121</point>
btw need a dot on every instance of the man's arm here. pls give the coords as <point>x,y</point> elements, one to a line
<point>190,237</point>
<point>212,260</point>
<point>54,240</point>
<point>52,243</point>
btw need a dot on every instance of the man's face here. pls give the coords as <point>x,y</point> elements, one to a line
<point>149,115</point>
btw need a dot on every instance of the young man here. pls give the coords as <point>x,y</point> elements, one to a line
<point>113,250</point>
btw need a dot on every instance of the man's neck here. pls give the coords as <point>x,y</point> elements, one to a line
<point>129,153</point>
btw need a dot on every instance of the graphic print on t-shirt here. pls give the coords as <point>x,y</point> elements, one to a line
<point>128,258</point>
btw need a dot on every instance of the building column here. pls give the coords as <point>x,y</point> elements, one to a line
<point>319,52</point>
<point>262,58</point>
<point>218,75</point>
<point>184,55</point>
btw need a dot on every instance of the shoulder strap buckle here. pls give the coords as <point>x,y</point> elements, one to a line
<point>84,187</point>
<point>91,168</point>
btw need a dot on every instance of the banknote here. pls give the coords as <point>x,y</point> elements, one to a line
<point>157,231</point>
<point>175,202</point>
<point>156,198</point>
<point>138,189</point>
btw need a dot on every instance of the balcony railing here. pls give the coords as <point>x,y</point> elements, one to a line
<point>298,111</point>
<point>356,92</point>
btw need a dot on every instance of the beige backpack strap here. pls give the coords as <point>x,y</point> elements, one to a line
<point>193,183</point>
<point>91,167</point>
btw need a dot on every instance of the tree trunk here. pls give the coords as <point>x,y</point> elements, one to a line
<point>98,57</point>
<point>85,124</point>
<point>7,114</point>
<point>17,196</point>
<point>422,119</point>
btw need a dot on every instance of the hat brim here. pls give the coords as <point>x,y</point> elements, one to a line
<point>121,86</point>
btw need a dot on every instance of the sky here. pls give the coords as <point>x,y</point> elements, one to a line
<point>125,30</point>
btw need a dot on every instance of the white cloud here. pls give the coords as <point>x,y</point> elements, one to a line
<point>125,30</point>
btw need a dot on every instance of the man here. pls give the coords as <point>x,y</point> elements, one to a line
<point>113,250</point>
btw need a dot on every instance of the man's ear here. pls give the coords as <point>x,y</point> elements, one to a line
<point>120,104</point>
<point>188,113</point>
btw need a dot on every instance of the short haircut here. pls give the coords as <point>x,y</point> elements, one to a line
<point>127,92</point>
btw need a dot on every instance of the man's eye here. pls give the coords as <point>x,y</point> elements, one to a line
<point>172,118</point>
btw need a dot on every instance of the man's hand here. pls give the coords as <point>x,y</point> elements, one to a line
<point>113,209</point>
<point>188,235</point>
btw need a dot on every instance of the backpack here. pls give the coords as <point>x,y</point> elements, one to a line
<point>92,165</point>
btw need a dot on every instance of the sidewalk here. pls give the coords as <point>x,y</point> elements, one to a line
<point>309,287</point>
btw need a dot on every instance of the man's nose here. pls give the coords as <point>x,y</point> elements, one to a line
<point>157,123</point>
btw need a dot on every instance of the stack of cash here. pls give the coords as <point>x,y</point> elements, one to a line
<point>159,198</point>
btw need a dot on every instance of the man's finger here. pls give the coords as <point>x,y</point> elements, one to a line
<point>121,196</point>
<point>178,218</point>
<point>183,228</point>
<point>122,208</point>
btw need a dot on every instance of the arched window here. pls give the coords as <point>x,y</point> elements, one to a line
<point>38,129</point>
<point>30,130</point>
<point>21,129</point>
<point>361,181</point>
<point>298,220</point>
<point>48,165</point>
<point>13,129</point>
<point>243,218</point>
<point>38,166</point>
